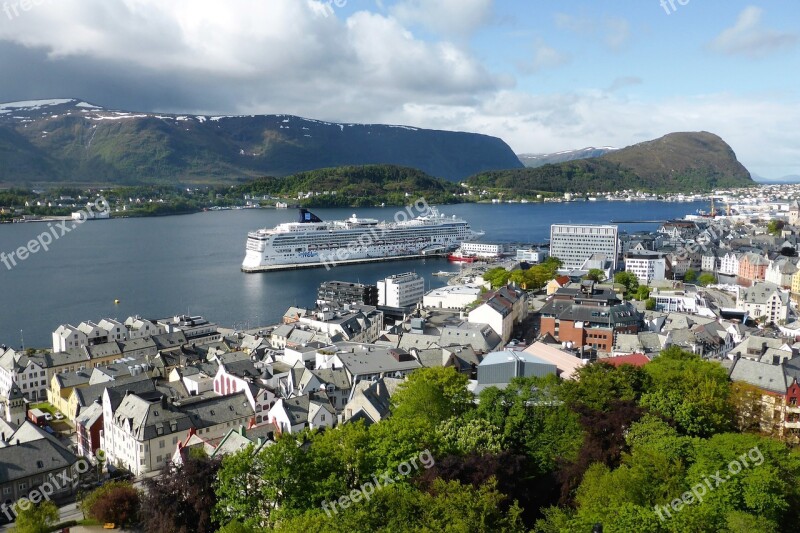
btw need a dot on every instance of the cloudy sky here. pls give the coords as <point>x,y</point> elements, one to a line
<point>544,76</point>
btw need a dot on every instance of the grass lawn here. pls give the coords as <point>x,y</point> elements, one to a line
<point>44,406</point>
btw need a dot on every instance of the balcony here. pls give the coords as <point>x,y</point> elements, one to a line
<point>791,425</point>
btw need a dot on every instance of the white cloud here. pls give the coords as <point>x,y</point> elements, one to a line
<point>554,122</point>
<point>454,18</point>
<point>544,56</point>
<point>748,37</point>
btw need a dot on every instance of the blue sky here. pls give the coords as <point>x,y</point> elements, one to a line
<point>544,76</point>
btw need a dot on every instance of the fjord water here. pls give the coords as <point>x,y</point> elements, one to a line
<point>158,267</point>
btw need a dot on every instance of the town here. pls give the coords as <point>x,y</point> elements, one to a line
<point>134,396</point>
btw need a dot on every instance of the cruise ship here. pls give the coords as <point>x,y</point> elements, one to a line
<point>312,242</point>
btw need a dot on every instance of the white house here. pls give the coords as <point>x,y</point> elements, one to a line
<point>68,337</point>
<point>780,272</point>
<point>502,310</point>
<point>766,301</point>
<point>141,432</point>
<point>27,372</point>
<point>310,411</point>
<point>237,373</point>
<point>729,264</point>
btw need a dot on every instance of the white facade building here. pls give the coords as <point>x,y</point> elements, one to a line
<point>573,244</point>
<point>533,255</point>
<point>451,297</point>
<point>647,268</point>
<point>765,301</point>
<point>729,264</point>
<point>480,249</point>
<point>401,290</point>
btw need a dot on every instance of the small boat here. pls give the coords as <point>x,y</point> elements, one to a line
<point>444,274</point>
<point>460,257</point>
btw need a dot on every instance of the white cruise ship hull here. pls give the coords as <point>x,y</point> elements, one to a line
<point>330,244</point>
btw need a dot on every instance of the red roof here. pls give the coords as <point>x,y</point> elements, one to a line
<point>562,280</point>
<point>635,359</point>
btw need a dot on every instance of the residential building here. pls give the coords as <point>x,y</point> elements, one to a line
<point>451,297</point>
<point>647,267</point>
<point>368,362</point>
<point>573,244</point>
<point>796,287</point>
<point>342,292</point>
<point>729,264</point>
<point>559,282</point>
<point>26,371</point>
<point>752,267</point>
<point>355,323</point>
<point>502,310</point>
<point>764,301</point>
<point>401,290</point>
<point>141,432</point>
<point>311,411</point>
<point>30,458</point>
<point>371,400</point>
<point>588,316</point>
<point>780,271</point>
<point>88,426</point>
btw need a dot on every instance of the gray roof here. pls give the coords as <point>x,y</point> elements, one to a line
<point>72,379</point>
<point>219,410</point>
<point>33,458</point>
<point>763,375</point>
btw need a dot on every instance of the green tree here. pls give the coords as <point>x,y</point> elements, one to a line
<point>629,281</point>
<point>706,278</point>
<point>595,274</point>
<point>690,276</point>
<point>692,392</point>
<point>436,393</point>
<point>642,293</point>
<point>775,227</point>
<point>497,277</point>
<point>650,304</point>
<point>36,518</point>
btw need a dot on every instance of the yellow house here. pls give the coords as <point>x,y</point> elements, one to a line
<point>61,387</point>
<point>559,283</point>
<point>796,287</point>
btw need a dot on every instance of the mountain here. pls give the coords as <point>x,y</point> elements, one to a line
<point>678,162</point>
<point>71,141</point>
<point>540,160</point>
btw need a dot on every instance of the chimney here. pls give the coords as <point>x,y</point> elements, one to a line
<point>164,401</point>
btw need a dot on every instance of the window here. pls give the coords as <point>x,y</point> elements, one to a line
<point>793,400</point>
<point>161,444</point>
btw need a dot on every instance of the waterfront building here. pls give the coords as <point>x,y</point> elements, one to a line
<point>344,292</point>
<point>482,249</point>
<point>401,290</point>
<point>533,255</point>
<point>573,244</point>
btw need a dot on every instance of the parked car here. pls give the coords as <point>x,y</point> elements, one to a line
<point>48,417</point>
<point>59,416</point>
